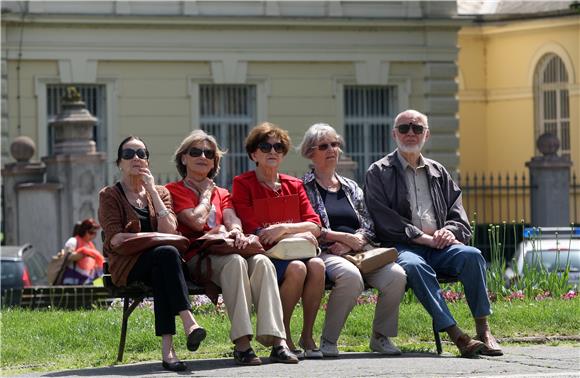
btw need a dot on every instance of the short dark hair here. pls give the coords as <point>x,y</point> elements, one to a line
<point>88,225</point>
<point>262,132</point>
<point>120,149</point>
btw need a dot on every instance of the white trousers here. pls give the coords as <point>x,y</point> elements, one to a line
<point>246,282</point>
<point>390,280</point>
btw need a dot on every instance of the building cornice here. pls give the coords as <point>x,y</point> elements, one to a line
<point>176,22</point>
<point>518,26</point>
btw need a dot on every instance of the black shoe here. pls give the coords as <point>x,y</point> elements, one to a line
<point>174,366</point>
<point>246,358</point>
<point>282,354</point>
<point>195,338</point>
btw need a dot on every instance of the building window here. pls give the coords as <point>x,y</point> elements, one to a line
<point>368,117</point>
<point>551,100</point>
<point>94,96</point>
<point>228,112</point>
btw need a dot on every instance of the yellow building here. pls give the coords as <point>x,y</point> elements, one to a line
<point>518,78</point>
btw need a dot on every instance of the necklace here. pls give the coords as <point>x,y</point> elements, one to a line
<point>136,199</point>
<point>333,187</point>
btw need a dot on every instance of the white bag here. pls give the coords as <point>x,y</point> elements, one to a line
<point>293,249</point>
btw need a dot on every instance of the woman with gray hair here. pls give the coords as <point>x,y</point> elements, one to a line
<point>347,226</point>
<point>200,206</point>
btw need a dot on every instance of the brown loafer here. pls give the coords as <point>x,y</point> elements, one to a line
<point>468,347</point>
<point>491,347</point>
<point>282,354</point>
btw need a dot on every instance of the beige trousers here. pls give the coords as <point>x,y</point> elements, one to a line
<point>245,282</point>
<point>390,280</point>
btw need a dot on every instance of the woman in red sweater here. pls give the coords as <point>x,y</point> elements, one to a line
<point>267,145</point>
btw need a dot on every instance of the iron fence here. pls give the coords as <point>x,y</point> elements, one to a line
<point>496,198</point>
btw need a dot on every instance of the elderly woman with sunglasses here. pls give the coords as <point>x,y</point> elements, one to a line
<point>266,145</point>
<point>135,205</point>
<point>201,206</point>
<point>347,227</point>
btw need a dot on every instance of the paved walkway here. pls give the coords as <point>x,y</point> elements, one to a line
<point>526,361</point>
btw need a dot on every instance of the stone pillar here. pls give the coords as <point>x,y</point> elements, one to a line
<point>75,164</point>
<point>13,175</point>
<point>550,181</point>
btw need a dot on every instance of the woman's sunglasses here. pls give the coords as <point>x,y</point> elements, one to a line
<point>266,147</point>
<point>129,153</point>
<point>196,152</point>
<point>417,129</point>
<point>324,146</point>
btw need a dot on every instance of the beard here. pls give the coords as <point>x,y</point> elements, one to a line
<point>414,149</point>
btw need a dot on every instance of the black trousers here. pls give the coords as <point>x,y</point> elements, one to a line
<point>161,269</point>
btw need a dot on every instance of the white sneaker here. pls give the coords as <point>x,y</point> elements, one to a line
<point>383,345</point>
<point>328,349</point>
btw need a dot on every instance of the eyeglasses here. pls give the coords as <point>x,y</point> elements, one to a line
<point>129,153</point>
<point>196,152</point>
<point>266,147</point>
<point>324,146</point>
<point>417,129</point>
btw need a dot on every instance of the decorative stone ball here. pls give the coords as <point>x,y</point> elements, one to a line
<point>548,144</point>
<point>22,148</point>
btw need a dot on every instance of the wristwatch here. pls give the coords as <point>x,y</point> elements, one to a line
<point>162,213</point>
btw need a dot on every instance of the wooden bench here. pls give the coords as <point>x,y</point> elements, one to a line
<point>134,294</point>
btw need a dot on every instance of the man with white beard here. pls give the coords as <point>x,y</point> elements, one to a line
<point>416,207</point>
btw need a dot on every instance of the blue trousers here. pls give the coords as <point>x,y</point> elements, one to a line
<point>422,264</point>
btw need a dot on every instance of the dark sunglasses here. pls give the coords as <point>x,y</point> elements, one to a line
<point>324,146</point>
<point>129,153</point>
<point>196,152</point>
<point>417,129</point>
<point>266,147</point>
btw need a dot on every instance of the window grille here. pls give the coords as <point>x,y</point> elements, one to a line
<point>552,103</point>
<point>228,112</point>
<point>94,96</point>
<point>368,115</point>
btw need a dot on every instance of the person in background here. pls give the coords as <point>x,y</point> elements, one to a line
<point>417,207</point>
<point>347,227</point>
<point>200,206</point>
<point>266,145</point>
<point>135,206</point>
<point>86,262</point>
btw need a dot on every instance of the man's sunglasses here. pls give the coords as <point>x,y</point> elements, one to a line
<point>196,152</point>
<point>129,153</point>
<point>417,129</point>
<point>324,146</point>
<point>266,147</point>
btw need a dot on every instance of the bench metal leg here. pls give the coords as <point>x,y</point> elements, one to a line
<point>437,340</point>
<point>127,311</point>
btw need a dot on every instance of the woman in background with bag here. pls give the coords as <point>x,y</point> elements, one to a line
<point>85,263</point>
<point>134,213</point>
<point>202,207</point>
<point>274,206</point>
<point>347,228</point>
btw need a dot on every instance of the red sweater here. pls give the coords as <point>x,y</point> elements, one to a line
<point>246,189</point>
<point>184,198</point>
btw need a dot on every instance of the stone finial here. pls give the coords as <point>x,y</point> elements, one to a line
<point>22,149</point>
<point>73,126</point>
<point>548,144</point>
<point>72,95</point>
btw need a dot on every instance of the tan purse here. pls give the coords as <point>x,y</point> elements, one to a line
<point>293,249</point>
<point>373,259</point>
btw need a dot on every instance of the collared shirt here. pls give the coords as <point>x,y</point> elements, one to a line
<point>419,196</point>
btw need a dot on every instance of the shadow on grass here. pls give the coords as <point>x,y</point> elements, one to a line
<point>155,369</point>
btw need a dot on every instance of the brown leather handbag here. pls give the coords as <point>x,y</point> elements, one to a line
<point>372,259</point>
<point>146,241</point>
<point>220,244</point>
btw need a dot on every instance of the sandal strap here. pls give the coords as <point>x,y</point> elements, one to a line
<point>245,356</point>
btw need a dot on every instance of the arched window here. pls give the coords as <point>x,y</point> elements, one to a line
<point>551,100</point>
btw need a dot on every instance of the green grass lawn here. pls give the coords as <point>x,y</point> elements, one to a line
<point>55,340</point>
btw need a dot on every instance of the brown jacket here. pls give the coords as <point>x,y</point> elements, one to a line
<point>117,215</point>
